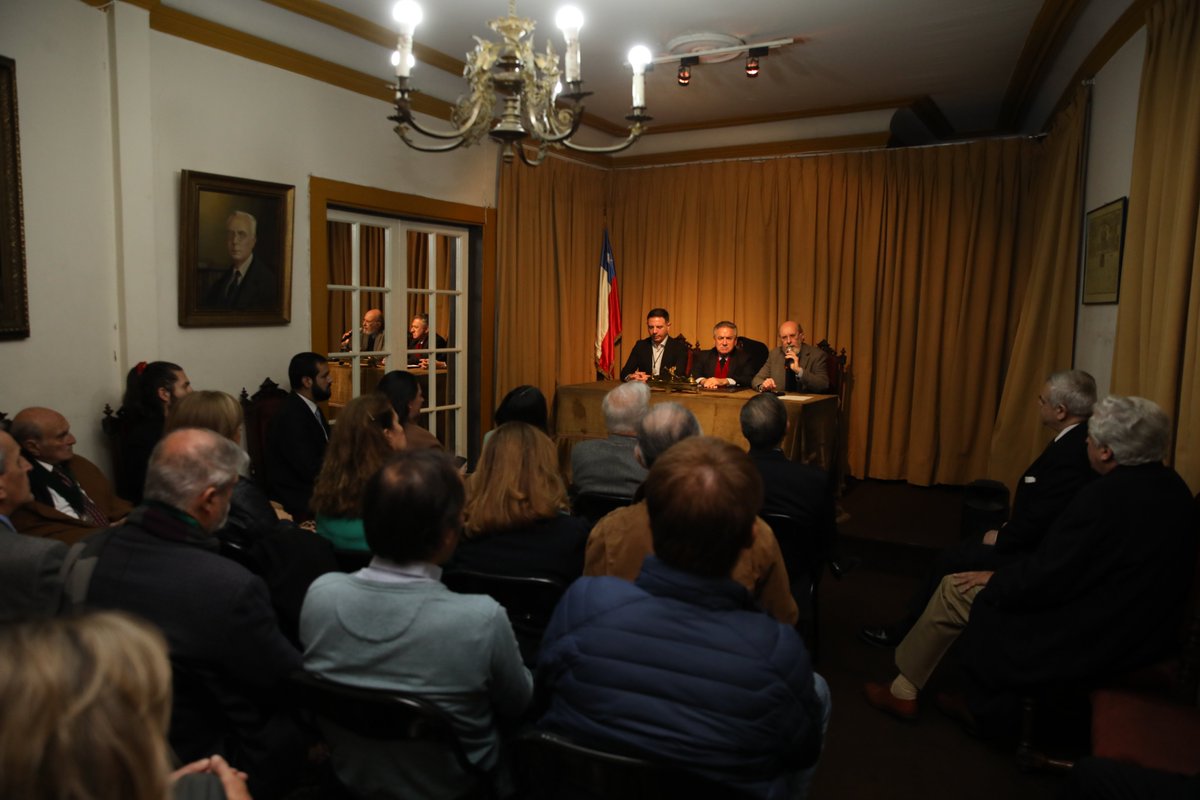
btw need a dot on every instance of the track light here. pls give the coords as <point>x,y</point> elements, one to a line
<point>752,57</point>
<point>684,75</point>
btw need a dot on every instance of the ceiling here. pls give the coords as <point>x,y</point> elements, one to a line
<point>961,67</point>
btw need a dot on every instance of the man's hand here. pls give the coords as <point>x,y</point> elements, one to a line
<point>965,581</point>
<point>638,376</point>
<point>767,386</point>
<point>792,360</point>
<point>346,340</point>
<point>712,383</point>
<point>233,781</point>
<point>990,537</point>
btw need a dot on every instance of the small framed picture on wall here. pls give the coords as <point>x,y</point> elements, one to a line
<point>1104,245</point>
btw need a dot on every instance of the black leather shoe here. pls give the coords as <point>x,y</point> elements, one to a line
<point>881,636</point>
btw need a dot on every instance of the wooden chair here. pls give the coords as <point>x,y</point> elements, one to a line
<point>391,716</point>
<point>259,409</point>
<point>804,558</point>
<point>551,766</point>
<point>592,506</point>
<point>528,601</point>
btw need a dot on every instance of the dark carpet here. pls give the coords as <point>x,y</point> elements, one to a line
<point>894,529</point>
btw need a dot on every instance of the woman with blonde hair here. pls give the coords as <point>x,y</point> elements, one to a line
<point>517,512</point>
<point>86,702</point>
<point>250,513</point>
<point>366,433</point>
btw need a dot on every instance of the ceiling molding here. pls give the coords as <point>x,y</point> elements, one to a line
<point>924,107</point>
<point>1129,23</point>
<point>1046,40</point>
<point>858,141</point>
<point>368,31</point>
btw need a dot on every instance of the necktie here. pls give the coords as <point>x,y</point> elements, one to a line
<point>233,284</point>
<point>90,511</point>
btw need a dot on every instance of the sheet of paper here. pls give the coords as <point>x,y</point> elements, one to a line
<point>795,398</point>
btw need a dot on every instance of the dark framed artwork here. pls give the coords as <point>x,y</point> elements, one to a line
<point>1104,247</point>
<point>235,251</point>
<point>14,299</point>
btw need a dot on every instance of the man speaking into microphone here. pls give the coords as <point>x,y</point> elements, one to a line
<point>793,366</point>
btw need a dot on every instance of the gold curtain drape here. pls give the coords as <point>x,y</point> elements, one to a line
<point>551,222</point>
<point>341,270</point>
<point>418,278</point>
<point>1045,335</point>
<point>1158,321</point>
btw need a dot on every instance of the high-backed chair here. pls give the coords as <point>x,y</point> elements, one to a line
<point>592,506</point>
<point>551,766</point>
<point>528,601</point>
<point>259,409</point>
<point>391,716</point>
<point>753,349</point>
<point>804,558</point>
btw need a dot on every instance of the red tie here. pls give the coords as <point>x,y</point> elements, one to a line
<point>722,371</point>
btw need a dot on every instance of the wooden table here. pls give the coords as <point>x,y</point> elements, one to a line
<point>811,431</point>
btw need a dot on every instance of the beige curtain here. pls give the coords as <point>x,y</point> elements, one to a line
<point>551,229</point>
<point>341,270</point>
<point>1158,321</point>
<point>418,278</point>
<point>1045,334</point>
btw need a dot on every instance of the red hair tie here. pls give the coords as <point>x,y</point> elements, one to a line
<point>141,367</point>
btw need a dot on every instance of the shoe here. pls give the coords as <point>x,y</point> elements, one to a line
<point>954,705</point>
<point>880,696</point>
<point>880,636</point>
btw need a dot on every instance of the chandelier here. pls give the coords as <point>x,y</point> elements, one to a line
<point>516,97</point>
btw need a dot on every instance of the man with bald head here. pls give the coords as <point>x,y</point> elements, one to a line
<point>373,337</point>
<point>71,496</point>
<point>793,366</point>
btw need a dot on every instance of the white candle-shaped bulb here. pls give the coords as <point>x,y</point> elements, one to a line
<point>412,60</point>
<point>639,57</point>
<point>409,15</point>
<point>569,20</point>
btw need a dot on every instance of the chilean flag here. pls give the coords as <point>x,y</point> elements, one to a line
<point>608,312</point>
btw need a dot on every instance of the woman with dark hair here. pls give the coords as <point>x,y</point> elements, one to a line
<point>151,389</point>
<point>523,404</point>
<point>404,392</point>
<point>367,432</point>
<point>518,520</point>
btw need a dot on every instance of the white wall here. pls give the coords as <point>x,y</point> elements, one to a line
<point>1110,162</point>
<point>110,113</point>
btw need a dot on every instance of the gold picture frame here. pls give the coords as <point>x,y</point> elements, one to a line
<point>1104,248</point>
<point>228,222</point>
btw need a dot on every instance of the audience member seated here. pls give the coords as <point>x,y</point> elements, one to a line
<point>1102,594</point>
<point>150,392</point>
<point>71,496</point>
<point>609,466</point>
<point>29,565</point>
<point>298,434</point>
<point>523,404</point>
<point>366,434</point>
<point>621,540</point>
<point>790,488</point>
<point>404,392</point>
<point>680,665</point>
<point>394,625</point>
<point>86,701</point>
<point>517,514</point>
<point>226,648</point>
<point>1044,490</point>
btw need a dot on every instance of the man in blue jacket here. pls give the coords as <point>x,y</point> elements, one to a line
<point>680,665</point>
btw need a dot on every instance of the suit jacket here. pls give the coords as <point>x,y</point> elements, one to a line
<point>741,368</point>
<point>812,361</point>
<point>39,518</point>
<point>1101,595</point>
<point>797,490</point>
<point>257,292</point>
<point>1045,489</point>
<point>29,566</point>
<point>423,342</point>
<point>641,357</point>
<point>295,447</point>
<point>607,466</point>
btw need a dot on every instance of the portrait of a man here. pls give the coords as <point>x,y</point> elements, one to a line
<point>249,283</point>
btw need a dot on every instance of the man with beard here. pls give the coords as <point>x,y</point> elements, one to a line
<point>298,435</point>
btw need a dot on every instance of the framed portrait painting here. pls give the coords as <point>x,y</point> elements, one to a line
<point>235,251</point>
<point>14,301</point>
<point>1104,245</point>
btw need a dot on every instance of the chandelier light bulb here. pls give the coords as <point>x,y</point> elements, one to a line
<point>409,14</point>
<point>412,60</point>
<point>569,20</point>
<point>639,57</point>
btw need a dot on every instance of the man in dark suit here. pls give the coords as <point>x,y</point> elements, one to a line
<point>1103,594</point>
<point>658,353</point>
<point>228,655</point>
<point>298,434</point>
<point>797,490</point>
<point>1045,489</point>
<point>724,366</point>
<point>29,566</point>
<point>793,366</point>
<point>249,285</point>
<point>611,466</point>
<point>71,496</point>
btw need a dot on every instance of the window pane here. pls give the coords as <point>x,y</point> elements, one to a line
<point>371,250</point>
<point>447,262</point>
<point>340,321</point>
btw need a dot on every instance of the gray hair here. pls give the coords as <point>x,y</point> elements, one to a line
<point>1134,428</point>
<point>724,324</point>
<point>177,475</point>
<point>248,217</point>
<point>663,426</point>
<point>764,420</point>
<point>625,406</point>
<point>1074,390</point>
